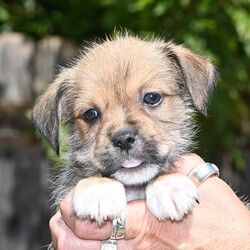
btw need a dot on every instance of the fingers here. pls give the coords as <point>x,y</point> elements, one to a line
<point>63,238</point>
<point>90,230</point>
<point>187,163</point>
<point>83,228</point>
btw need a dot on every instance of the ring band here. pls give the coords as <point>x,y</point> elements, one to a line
<point>109,245</point>
<point>118,232</point>
<point>118,228</point>
<point>201,172</point>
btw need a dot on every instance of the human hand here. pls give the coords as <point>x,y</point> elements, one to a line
<point>220,221</point>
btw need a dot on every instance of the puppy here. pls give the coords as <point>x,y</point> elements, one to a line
<point>128,105</point>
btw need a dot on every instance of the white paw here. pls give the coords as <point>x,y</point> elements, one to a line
<point>171,196</point>
<point>99,199</point>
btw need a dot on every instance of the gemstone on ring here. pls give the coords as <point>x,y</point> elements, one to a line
<point>118,232</point>
<point>118,228</point>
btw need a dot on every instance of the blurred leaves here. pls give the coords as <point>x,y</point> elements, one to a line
<point>58,160</point>
<point>219,29</point>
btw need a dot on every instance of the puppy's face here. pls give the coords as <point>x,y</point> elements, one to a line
<point>128,105</point>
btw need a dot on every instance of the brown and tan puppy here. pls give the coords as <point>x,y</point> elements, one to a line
<point>128,105</point>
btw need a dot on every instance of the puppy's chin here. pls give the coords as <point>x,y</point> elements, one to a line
<point>137,175</point>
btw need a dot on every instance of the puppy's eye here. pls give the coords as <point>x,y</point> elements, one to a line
<point>91,115</point>
<point>152,98</point>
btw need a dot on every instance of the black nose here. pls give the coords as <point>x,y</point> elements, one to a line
<point>124,140</point>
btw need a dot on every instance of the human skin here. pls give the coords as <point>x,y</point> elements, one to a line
<point>220,221</point>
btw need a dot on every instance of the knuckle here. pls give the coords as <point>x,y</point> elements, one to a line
<point>52,222</point>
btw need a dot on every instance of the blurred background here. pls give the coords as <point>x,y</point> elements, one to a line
<point>37,37</point>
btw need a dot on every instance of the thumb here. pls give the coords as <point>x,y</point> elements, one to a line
<point>187,162</point>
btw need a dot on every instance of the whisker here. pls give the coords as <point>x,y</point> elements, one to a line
<point>45,246</point>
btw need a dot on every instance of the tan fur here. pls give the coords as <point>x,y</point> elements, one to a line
<point>89,181</point>
<point>113,77</point>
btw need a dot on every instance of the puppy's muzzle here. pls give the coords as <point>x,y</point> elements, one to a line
<point>124,140</point>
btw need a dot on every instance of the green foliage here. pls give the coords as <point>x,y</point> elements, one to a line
<point>61,159</point>
<point>217,28</point>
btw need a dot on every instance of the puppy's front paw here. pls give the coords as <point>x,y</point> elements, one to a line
<point>171,196</point>
<point>99,199</point>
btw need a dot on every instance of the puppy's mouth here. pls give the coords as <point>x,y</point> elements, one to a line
<point>136,172</point>
<point>136,167</point>
<point>132,171</point>
<point>133,163</point>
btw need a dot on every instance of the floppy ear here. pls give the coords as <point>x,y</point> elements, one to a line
<point>198,74</point>
<point>46,113</point>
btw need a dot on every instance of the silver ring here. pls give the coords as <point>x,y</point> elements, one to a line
<point>201,172</point>
<point>118,228</point>
<point>109,245</point>
<point>118,232</point>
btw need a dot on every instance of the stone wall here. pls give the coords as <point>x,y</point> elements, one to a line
<point>26,68</point>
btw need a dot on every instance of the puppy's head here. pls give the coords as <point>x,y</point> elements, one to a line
<point>128,104</point>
